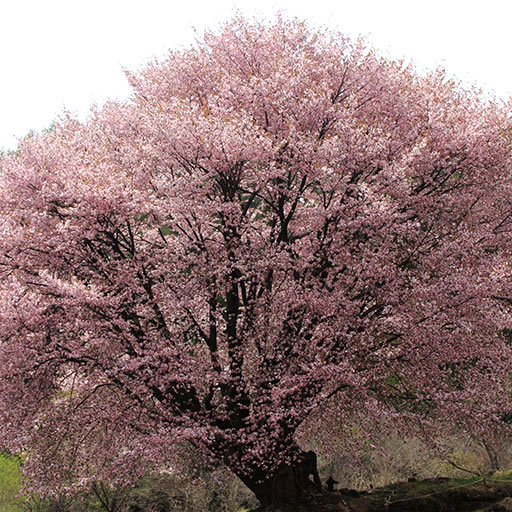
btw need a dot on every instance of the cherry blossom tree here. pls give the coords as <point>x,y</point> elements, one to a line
<point>279,224</point>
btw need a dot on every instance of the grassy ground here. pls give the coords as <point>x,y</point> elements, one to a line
<point>435,494</point>
<point>475,493</point>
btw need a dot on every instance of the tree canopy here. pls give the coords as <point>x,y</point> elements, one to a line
<point>278,223</point>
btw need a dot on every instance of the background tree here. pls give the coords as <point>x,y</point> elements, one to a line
<point>278,224</point>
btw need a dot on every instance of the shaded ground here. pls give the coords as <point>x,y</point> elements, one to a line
<point>434,495</point>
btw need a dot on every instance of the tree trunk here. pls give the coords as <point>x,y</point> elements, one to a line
<point>289,483</point>
<point>493,456</point>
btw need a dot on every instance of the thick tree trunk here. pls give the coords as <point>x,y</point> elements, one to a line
<point>289,483</point>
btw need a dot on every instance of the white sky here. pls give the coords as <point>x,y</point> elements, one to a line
<point>58,54</point>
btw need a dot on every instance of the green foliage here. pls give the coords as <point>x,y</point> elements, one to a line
<point>10,476</point>
<point>10,488</point>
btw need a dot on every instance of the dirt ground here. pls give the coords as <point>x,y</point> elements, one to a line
<point>490,494</point>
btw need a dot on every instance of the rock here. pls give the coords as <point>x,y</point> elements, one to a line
<point>503,506</point>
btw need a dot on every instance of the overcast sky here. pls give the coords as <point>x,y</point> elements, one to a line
<point>68,54</point>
